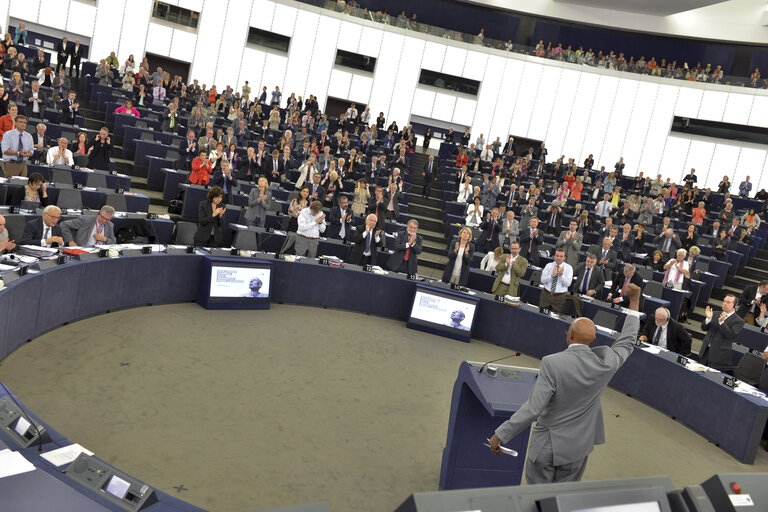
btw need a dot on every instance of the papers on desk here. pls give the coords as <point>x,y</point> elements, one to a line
<point>504,451</point>
<point>604,329</point>
<point>91,189</point>
<point>65,454</point>
<point>6,268</point>
<point>38,251</point>
<point>652,349</point>
<point>13,463</point>
<point>696,367</point>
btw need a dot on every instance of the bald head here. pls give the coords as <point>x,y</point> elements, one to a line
<point>582,331</point>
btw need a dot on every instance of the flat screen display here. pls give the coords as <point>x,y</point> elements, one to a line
<point>244,283</point>
<point>443,311</point>
<point>117,487</point>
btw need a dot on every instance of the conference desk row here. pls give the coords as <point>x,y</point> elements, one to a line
<point>40,302</point>
<point>91,198</point>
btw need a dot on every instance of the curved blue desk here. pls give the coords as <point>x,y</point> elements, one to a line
<point>40,302</point>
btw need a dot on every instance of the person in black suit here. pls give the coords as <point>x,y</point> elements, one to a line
<point>62,55</point>
<point>249,170</point>
<point>554,218</point>
<point>75,55</point>
<point>407,249</point>
<point>69,109</point>
<point>210,219</point>
<point>618,294</point>
<point>224,178</point>
<point>667,333</point>
<point>721,331</point>
<point>461,248</point>
<point>340,216</point>
<point>530,240</point>
<point>430,175</point>
<point>366,243</point>
<point>606,257</point>
<point>750,300</point>
<point>377,205</point>
<point>273,167</point>
<point>187,152</point>
<point>44,231</point>
<point>595,280</point>
<point>491,228</point>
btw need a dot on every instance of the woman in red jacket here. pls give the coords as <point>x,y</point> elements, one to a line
<point>462,159</point>
<point>201,169</point>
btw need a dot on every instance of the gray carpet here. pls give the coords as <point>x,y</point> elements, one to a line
<point>259,409</point>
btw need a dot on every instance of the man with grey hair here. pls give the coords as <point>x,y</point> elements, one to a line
<point>60,155</point>
<point>618,293</point>
<point>89,230</point>
<point>44,231</point>
<point>407,249</point>
<point>6,244</point>
<point>666,333</point>
<point>311,223</point>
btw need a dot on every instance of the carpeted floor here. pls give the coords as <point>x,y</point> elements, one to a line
<point>260,409</point>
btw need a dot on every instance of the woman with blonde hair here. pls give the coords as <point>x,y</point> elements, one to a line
<point>460,253</point>
<point>361,196</point>
<point>491,259</point>
<point>333,186</point>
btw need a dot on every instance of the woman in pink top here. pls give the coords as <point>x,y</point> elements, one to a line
<point>128,109</point>
<point>699,213</point>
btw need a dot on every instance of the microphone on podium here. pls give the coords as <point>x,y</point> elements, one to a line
<point>516,354</point>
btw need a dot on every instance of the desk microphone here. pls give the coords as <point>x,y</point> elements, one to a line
<point>516,354</point>
<point>28,418</point>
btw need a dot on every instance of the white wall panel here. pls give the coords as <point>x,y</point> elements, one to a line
<point>386,71</point>
<point>623,104</point>
<point>688,102</point>
<point>674,159</point>
<point>578,123</point>
<point>759,114</point>
<point>360,88</point>
<point>231,45</point>
<point>725,158</point>
<point>658,129</point>
<point>737,108</point>
<point>81,18</point>
<point>487,99</point>
<point>323,55</point>
<point>751,163</point>
<point>637,128</point>
<point>183,45</point>
<point>524,101</point>
<point>465,112</point>
<point>561,110</point>
<point>512,73</point>
<point>453,64</point>
<point>699,157</point>
<point>443,107</point>
<point>54,13</point>
<point>423,101</point>
<point>253,64</point>
<point>545,99</point>
<point>713,105</point>
<point>474,66</point>
<point>434,55</point>
<point>133,37</point>
<point>300,54</point>
<point>406,80</point>
<point>349,36</point>
<point>106,31</point>
<point>274,74</point>
<point>340,83</point>
<point>25,10</point>
<point>158,39</point>
<point>192,5</point>
<point>284,20</point>
<point>599,117</point>
<point>370,42</point>
<point>262,14</point>
<point>763,180</point>
<point>208,48</point>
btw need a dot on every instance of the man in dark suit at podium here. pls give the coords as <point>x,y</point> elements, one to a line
<point>565,402</point>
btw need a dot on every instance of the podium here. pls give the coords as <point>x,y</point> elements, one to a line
<point>479,404</point>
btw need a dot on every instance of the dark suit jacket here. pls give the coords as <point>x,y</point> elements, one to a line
<point>678,339</point>
<point>719,347</point>
<point>186,156</point>
<point>269,167</point>
<point>207,224</point>
<point>596,279</point>
<point>397,258</point>
<point>356,251</point>
<point>249,166</point>
<point>746,298</point>
<point>619,282</point>
<point>610,266</point>
<point>66,116</point>
<point>525,242</point>
<point>465,263</point>
<point>76,53</point>
<point>552,227</point>
<point>624,249</point>
<point>41,95</point>
<point>34,230</point>
<point>218,180</point>
<point>334,224</point>
<point>485,226</point>
<point>62,52</point>
<point>435,168</point>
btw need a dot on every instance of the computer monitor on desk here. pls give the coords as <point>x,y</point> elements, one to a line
<point>441,312</point>
<point>228,283</point>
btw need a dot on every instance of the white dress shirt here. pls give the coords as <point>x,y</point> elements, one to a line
<point>51,159</point>
<point>308,225</point>
<point>563,281</point>
<point>707,320</point>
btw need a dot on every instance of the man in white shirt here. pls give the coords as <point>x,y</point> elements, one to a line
<point>352,113</point>
<point>604,207</point>
<point>486,155</point>
<point>60,155</point>
<point>677,270</point>
<point>555,279</point>
<point>311,223</point>
<point>717,345</point>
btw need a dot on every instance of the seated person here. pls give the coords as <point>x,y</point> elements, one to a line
<point>44,231</point>
<point>666,333</point>
<point>6,244</point>
<point>34,191</point>
<point>60,155</point>
<point>618,294</point>
<point>90,230</point>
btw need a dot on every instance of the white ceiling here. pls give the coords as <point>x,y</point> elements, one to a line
<point>653,7</point>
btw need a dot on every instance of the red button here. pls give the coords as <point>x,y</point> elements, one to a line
<point>736,487</point>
